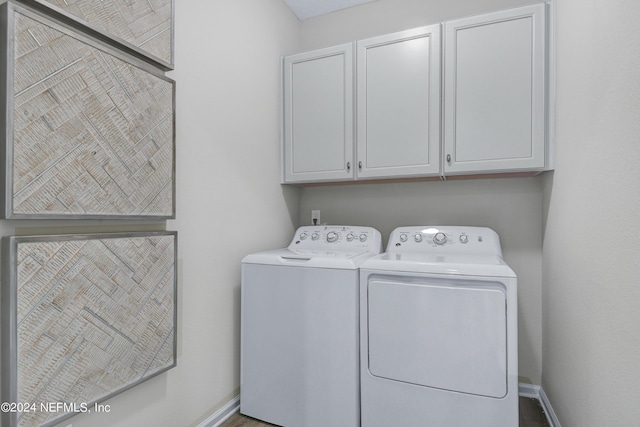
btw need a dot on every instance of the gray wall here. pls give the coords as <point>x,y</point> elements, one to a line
<point>591,290</point>
<point>513,207</point>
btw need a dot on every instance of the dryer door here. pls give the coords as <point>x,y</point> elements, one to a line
<point>441,333</point>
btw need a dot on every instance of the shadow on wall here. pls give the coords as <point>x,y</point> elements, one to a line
<point>547,186</point>
<point>508,205</point>
<point>291,196</point>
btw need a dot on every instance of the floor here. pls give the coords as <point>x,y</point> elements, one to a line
<point>531,415</point>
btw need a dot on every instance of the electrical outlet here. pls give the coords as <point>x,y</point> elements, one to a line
<point>315,217</point>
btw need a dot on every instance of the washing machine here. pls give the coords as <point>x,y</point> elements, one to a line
<point>300,328</point>
<point>438,331</point>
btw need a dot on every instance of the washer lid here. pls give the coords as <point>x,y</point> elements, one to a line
<point>309,258</point>
<point>468,265</point>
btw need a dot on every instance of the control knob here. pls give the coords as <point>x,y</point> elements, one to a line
<point>350,237</point>
<point>303,235</point>
<point>332,236</point>
<point>363,237</point>
<point>440,238</point>
<point>403,237</point>
<point>315,236</point>
<point>418,237</point>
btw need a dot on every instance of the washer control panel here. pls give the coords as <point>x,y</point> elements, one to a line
<point>337,238</point>
<point>444,239</point>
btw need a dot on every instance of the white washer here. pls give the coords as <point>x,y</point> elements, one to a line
<point>438,331</point>
<point>299,328</point>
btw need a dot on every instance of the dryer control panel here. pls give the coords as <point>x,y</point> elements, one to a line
<point>337,238</point>
<point>445,240</point>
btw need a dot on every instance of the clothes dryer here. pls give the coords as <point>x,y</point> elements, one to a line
<point>438,331</point>
<point>300,328</point>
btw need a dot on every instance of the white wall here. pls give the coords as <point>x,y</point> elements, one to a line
<point>591,290</point>
<point>229,200</point>
<point>387,16</point>
<point>513,207</point>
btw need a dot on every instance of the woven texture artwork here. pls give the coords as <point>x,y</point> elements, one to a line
<point>146,24</point>
<point>93,135</point>
<point>93,317</point>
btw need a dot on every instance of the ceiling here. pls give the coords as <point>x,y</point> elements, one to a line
<point>304,9</point>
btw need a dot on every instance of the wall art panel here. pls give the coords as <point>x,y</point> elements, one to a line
<point>84,317</point>
<point>89,132</point>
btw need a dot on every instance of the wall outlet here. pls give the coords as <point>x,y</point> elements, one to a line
<point>315,217</point>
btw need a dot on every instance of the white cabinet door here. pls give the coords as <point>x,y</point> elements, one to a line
<point>398,104</point>
<point>494,76</point>
<point>318,115</point>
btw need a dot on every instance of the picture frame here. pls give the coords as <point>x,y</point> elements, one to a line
<point>144,28</point>
<point>89,131</point>
<point>84,317</point>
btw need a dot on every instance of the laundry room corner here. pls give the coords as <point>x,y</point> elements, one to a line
<point>388,213</point>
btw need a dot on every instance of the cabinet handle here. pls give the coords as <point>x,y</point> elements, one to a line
<point>448,158</point>
<point>360,165</point>
<point>348,166</point>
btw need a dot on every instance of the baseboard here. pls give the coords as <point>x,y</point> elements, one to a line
<point>546,404</point>
<point>536,392</point>
<point>222,414</point>
<point>529,390</point>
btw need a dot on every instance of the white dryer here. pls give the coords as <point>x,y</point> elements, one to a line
<point>300,328</point>
<point>438,331</point>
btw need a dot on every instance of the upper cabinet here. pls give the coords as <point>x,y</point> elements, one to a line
<point>494,92</point>
<point>470,101</point>
<point>318,115</point>
<point>398,104</point>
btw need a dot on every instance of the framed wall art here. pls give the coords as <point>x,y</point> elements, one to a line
<point>89,132</point>
<point>84,317</point>
<point>143,27</point>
